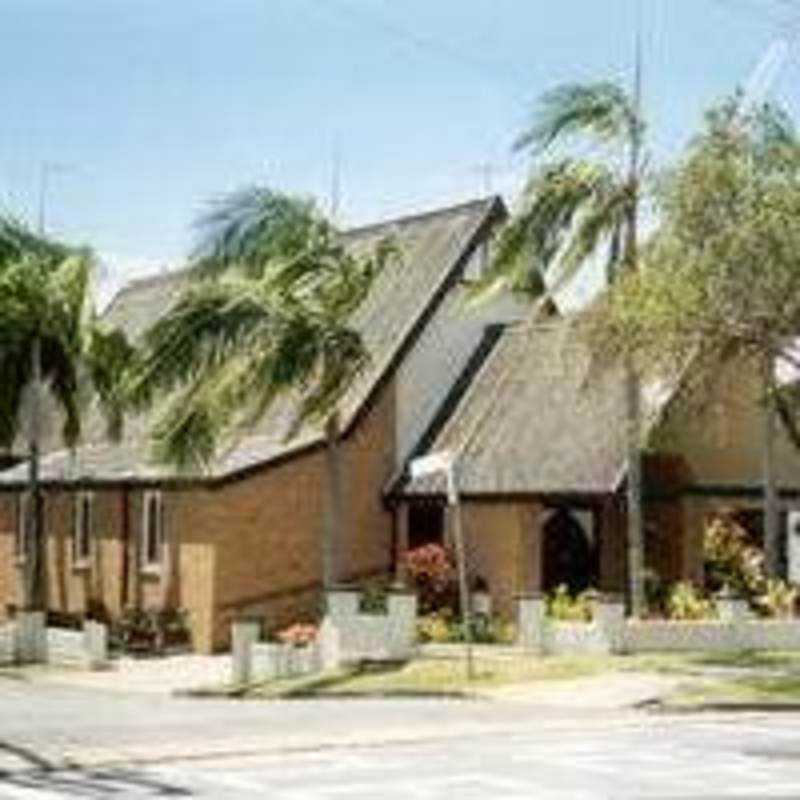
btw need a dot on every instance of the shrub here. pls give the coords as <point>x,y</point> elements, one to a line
<point>561,605</point>
<point>432,571</point>
<point>298,635</point>
<point>442,628</point>
<point>375,597</point>
<point>151,630</point>
<point>686,602</point>
<point>778,599</point>
<point>433,628</point>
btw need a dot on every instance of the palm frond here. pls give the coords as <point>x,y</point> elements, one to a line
<point>563,212</point>
<point>602,110</point>
<point>251,227</point>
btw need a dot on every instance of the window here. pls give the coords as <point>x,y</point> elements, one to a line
<point>153,530</point>
<point>82,530</point>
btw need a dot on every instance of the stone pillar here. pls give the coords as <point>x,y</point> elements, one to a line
<point>341,610</point>
<point>401,545</point>
<point>530,620</point>
<point>609,616</point>
<point>31,636</point>
<point>245,633</point>
<point>402,628</point>
<point>95,642</point>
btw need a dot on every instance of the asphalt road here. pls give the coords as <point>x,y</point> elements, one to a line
<point>124,746</point>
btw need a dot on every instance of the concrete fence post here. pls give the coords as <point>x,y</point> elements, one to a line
<point>530,620</point>
<point>246,631</point>
<point>95,642</point>
<point>609,615</point>
<point>31,636</point>
<point>482,603</point>
<point>402,627</point>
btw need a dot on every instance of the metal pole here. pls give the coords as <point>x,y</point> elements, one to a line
<point>461,565</point>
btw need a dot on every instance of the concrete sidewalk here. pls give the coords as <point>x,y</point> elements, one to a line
<point>162,675</point>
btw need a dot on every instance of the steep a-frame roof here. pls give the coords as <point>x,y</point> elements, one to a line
<point>536,422</point>
<point>434,248</point>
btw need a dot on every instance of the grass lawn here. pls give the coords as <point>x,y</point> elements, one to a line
<point>751,675</point>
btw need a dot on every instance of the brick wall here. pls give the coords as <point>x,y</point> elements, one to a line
<point>503,546</point>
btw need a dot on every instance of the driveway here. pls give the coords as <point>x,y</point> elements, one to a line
<point>59,742</point>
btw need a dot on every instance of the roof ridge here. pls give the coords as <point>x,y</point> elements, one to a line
<point>417,216</point>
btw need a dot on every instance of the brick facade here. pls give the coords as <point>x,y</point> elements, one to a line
<point>251,544</point>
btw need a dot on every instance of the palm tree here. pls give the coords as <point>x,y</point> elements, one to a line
<point>267,314</point>
<point>50,339</point>
<point>574,208</point>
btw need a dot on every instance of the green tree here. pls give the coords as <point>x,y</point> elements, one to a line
<point>572,209</point>
<point>267,315</point>
<point>50,340</point>
<point>720,282</point>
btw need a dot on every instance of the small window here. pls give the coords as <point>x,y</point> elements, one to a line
<point>82,531</point>
<point>153,530</point>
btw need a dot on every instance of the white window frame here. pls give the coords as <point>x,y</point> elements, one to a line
<point>83,530</point>
<point>153,540</point>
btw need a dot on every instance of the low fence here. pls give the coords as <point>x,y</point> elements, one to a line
<point>346,636</point>
<point>610,632</point>
<point>8,644</point>
<point>26,640</point>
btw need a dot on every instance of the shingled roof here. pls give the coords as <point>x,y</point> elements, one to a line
<point>532,423</point>
<point>434,248</point>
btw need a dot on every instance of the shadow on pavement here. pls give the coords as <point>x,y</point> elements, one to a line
<point>86,782</point>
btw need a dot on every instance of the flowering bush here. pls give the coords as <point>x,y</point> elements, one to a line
<point>299,635</point>
<point>432,571</point>
<point>730,558</point>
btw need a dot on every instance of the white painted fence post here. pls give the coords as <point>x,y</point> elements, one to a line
<point>530,621</point>
<point>31,636</point>
<point>245,633</point>
<point>609,615</point>
<point>95,642</point>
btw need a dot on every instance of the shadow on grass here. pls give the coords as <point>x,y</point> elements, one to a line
<point>37,774</point>
<point>335,685</point>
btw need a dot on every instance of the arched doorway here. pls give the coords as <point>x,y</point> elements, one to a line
<point>568,554</point>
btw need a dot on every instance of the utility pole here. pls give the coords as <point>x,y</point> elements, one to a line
<point>34,544</point>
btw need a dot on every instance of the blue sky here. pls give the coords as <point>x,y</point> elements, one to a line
<point>152,107</point>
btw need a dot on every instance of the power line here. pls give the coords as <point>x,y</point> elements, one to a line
<point>441,49</point>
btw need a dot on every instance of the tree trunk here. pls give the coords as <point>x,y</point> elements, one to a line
<point>635,517</point>
<point>772,532</point>
<point>334,534</point>
<point>34,549</point>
